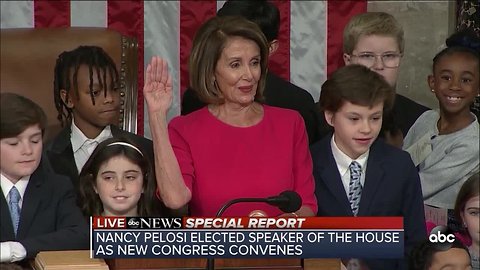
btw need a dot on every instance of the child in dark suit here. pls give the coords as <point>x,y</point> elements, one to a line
<point>37,207</point>
<point>356,174</point>
<point>87,98</point>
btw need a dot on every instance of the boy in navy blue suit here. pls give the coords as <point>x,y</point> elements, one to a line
<point>37,207</point>
<point>356,174</point>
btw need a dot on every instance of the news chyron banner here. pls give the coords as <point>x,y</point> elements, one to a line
<point>191,237</point>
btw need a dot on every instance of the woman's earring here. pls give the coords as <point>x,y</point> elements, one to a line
<point>433,90</point>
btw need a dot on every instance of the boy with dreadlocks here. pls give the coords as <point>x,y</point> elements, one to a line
<point>87,99</point>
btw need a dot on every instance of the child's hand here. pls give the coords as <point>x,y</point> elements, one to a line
<point>157,89</point>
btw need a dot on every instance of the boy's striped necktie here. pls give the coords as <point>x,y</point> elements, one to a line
<point>355,187</point>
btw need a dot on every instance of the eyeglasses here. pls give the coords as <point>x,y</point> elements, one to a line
<point>389,60</point>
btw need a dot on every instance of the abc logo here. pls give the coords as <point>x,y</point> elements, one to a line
<point>439,235</point>
<point>133,223</point>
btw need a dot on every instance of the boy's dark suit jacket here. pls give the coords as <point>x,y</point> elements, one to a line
<point>278,93</point>
<point>49,219</point>
<point>60,153</point>
<point>392,188</point>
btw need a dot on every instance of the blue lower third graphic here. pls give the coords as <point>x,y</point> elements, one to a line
<point>301,243</point>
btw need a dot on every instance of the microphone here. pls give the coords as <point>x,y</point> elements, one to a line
<point>288,201</point>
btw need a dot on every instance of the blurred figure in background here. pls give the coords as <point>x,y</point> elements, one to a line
<point>438,256</point>
<point>467,212</point>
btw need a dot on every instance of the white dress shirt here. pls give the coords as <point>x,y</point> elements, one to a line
<point>83,147</point>
<point>11,251</point>
<point>343,163</point>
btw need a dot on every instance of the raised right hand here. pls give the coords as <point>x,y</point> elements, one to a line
<point>157,89</point>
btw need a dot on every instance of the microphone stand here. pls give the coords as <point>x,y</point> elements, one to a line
<point>211,261</point>
<point>241,200</point>
<point>287,201</point>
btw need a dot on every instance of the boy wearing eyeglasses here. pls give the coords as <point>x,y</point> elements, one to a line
<point>376,40</point>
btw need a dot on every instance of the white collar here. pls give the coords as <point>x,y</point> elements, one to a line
<point>343,161</point>
<point>6,185</point>
<point>78,138</point>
